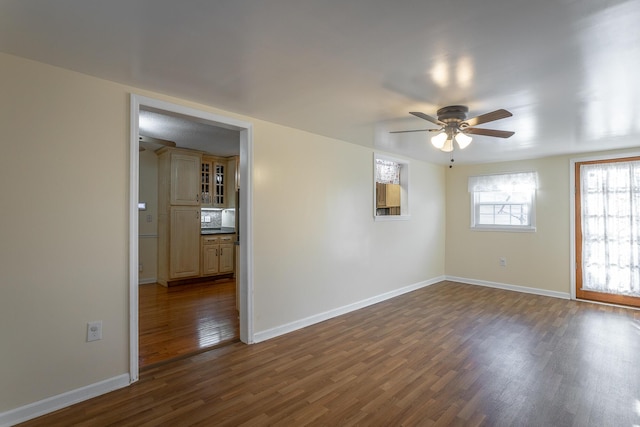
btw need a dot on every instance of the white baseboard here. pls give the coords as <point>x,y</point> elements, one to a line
<point>147,281</point>
<point>34,410</point>
<point>321,317</point>
<point>505,286</point>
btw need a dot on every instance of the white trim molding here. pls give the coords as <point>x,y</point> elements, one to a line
<point>50,404</point>
<point>321,317</point>
<point>245,275</point>
<point>404,189</point>
<point>508,287</point>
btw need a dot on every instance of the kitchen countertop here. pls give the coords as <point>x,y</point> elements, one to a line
<point>223,230</point>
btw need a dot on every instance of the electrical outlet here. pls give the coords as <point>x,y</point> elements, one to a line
<point>94,330</point>
<point>503,262</point>
<point>149,218</point>
<point>140,267</point>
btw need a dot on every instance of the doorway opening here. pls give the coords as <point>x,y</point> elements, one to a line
<point>607,230</point>
<point>225,284</point>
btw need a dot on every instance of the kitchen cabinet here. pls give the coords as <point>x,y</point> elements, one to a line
<point>219,184</point>
<point>206,178</point>
<point>218,181</point>
<point>178,215</point>
<point>217,254</point>
<point>184,242</point>
<point>227,251</point>
<point>184,176</point>
<point>388,199</point>
<point>178,244</point>
<point>232,181</point>
<point>387,195</point>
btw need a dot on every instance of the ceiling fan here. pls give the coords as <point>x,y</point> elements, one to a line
<point>454,124</point>
<point>157,141</point>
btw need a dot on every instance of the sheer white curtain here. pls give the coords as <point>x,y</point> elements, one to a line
<point>610,198</point>
<point>387,172</point>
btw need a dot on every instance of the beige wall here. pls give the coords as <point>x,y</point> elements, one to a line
<point>63,234</point>
<point>317,246</point>
<point>540,260</point>
<point>65,148</point>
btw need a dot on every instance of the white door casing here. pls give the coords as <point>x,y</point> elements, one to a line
<point>245,274</point>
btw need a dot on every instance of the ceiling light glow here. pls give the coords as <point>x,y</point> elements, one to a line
<point>439,140</point>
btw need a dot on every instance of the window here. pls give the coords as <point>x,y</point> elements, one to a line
<point>503,202</point>
<point>391,178</point>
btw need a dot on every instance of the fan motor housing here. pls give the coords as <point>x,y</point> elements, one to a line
<point>453,113</point>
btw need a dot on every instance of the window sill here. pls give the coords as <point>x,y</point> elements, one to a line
<point>392,217</point>
<point>504,229</point>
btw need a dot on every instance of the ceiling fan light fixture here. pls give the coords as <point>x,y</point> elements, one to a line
<point>448,146</point>
<point>463,140</point>
<point>439,140</point>
<point>454,125</point>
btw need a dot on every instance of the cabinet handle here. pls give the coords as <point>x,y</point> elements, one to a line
<point>197,197</point>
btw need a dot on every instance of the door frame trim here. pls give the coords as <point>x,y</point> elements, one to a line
<point>572,206</point>
<point>245,275</point>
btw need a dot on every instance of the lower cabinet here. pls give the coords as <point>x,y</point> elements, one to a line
<point>178,244</point>
<point>217,254</point>
<point>387,199</point>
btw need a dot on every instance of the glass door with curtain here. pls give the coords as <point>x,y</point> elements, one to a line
<point>608,231</point>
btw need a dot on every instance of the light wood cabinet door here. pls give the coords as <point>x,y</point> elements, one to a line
<point>210,259</point>
<point>217,254</point>
<point>185,179</point>
<point>387,195</point>
<point>206,182</point>
<point>219,184</point>
<point>184,242</point>
<point>232,181</point>
<point>226,258</point>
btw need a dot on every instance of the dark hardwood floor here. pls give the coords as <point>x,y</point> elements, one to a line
<point>448,354</point>
<point>185,319</point>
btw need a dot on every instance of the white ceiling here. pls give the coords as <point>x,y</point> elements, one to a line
<point>187,132</point>
<point>352,70</point>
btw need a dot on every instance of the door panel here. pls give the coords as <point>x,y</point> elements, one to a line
<point>607,231</point>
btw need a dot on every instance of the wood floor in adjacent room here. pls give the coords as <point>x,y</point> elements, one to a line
<point>186,319</point>
<point>447,354</point>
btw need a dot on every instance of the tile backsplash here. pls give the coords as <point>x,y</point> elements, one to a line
<point>211,218</point>
<point>217,218</point>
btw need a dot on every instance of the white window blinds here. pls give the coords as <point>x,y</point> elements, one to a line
<point>506,182</point>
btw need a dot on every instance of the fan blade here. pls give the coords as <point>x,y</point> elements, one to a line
<point>489,132</point>
<point>427,118</point>
<point>415,130</point>
<point>488,117</point>
<point>158,141</point>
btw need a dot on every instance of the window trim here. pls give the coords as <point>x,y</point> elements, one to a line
<point>404,189</point>
<point>531,228</point>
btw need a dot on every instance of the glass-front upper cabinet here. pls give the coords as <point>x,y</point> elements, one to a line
<point>213,181</point>
<point>205,182</point>
<point>219,183</point>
